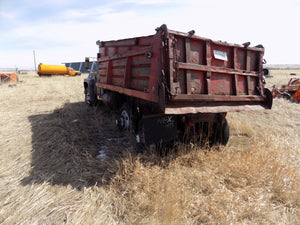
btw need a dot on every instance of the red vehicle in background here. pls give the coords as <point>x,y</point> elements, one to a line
<point>291,91</point>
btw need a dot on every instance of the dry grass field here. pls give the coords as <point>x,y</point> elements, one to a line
<point>50,173</point>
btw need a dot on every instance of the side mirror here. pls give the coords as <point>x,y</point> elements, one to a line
<point>87,63</point>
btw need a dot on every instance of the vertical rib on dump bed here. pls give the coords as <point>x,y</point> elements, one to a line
<point>184,73</point>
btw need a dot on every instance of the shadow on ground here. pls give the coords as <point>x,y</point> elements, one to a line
<point>66,145</point>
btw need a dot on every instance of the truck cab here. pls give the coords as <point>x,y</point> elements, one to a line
<point>72,72</point>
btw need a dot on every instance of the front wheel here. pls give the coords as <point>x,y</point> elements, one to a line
<point>90,97</point>
<point>89,100</point>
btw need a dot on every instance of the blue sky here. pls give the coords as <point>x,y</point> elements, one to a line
<point>67,30</point>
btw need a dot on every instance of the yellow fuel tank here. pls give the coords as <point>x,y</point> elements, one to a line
<point>52,69</point>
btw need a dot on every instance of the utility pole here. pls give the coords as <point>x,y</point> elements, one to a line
<point>34,61</point>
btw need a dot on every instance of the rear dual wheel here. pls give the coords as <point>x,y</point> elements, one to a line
<point>217,134</point>
<point>206,133</point>
<point>221,133</point>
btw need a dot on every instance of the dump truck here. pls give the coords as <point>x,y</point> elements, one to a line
<point>56,70</point>
<point>175,85</point>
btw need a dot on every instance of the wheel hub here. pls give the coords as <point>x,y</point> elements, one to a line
<point>124,121</point>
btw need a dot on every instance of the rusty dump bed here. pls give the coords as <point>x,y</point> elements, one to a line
<point>184,73</point>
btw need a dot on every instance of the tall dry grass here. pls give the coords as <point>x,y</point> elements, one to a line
<point>50,174</point>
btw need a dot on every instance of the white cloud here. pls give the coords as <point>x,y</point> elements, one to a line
<point>148,2</point>
<point>8,15</point>
<point>70,35</point>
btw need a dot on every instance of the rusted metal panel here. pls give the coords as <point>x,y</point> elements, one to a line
<point>127,72</point>
<point>109,73</point>
<point>208,63</point>
<point>221,84</point>
<point>172,79</point>
<point>229,72</point>
<point>189,59</point>
<point>170,67</point>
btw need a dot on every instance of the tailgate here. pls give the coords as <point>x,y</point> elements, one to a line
<point>209,76</point>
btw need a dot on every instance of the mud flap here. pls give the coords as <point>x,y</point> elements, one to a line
<point>269,99</point>
<point>160,129</point>
<point>222,132</point>
<point>90,95</point>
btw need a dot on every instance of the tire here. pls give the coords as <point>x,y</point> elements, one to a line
<point>221,135</point>
<point>125,119</point>
<point>88,100</point>
<point>265,72</point>
<point>90,95</point>
<point>286,96</point>
<point>223,132</point>
<point>126,126</point>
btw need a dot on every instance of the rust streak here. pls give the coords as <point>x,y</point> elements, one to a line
<point>208,65</point>
<point>235,87</point>
<point>188,60</point>
<point>127,72</point>
<point>109,73</point>
<point>171,62</point>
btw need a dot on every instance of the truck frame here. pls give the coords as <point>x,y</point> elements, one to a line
<point>174,85</point>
